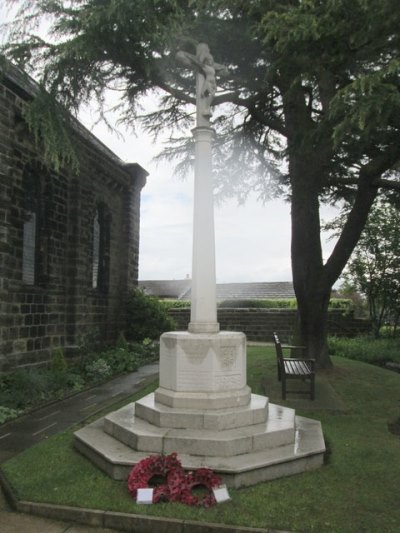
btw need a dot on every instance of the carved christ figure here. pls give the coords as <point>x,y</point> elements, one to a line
<point>206,86</point>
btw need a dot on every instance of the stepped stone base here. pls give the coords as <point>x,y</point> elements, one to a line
<point>306,453</point>
<point>204,411</point>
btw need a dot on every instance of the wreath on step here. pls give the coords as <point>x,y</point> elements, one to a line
<point>170,483</point>
<point>163,473</point>
<point>200,478</point>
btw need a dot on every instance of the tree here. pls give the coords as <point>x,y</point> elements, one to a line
<point>374,267</point>
<point>313,89</point>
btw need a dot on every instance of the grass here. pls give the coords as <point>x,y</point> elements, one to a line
<point>356,491</point>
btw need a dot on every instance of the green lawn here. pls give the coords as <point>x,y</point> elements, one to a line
<point>357,490</point>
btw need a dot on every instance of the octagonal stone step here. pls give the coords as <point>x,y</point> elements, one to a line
<point>160,415</point>
<point>140,435</point>
<point>307,453</point>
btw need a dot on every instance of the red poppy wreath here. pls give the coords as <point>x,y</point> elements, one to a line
<point>204,478</point>
<point>164,473</point>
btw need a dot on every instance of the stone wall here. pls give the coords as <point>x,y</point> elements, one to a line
<point>259,324</point>
<point>57,287</point>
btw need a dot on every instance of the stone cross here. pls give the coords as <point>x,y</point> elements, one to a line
<point>203,318</point>
<point>206,86</point>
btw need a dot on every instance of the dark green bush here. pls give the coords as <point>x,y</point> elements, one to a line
<point>146,316</point>
<point>20,390</point>
<point>58,362</point>
<point>121,360</point>
<point>260,304</point>
<point>344,304</point>
<point>175,304</point>
<point>367,349</point>
<point>288,303</point>
<point>7,413</point>
<point>97,370</point>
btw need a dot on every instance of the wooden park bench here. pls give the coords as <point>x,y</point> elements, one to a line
<point>294,368</point>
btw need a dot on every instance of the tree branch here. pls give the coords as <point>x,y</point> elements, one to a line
<point>176,93</point>
<point>379,182</point>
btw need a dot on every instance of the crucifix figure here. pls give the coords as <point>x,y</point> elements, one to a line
<point>206,86</point>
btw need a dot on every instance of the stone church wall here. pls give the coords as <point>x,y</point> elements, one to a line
<point>68,242</point>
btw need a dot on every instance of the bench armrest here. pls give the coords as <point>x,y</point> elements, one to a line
<point>289,347</point>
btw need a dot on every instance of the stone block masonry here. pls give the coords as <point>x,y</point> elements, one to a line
<point>259,324</point>
<point>68,242</point>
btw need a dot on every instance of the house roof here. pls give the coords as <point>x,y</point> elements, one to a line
<point>180,290</point>
<point>174,289</point>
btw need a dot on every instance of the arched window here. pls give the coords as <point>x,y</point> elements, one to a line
<point>31,227</point>
<point>101,248</point>
<point>96,251</point>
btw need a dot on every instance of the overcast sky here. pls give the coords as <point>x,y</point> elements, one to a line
<point>252,240</point>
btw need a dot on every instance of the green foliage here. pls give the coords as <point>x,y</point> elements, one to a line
<point>7,413</point>
<point>344,304</point>
<point>175,304</point>
<point>122,343</point>
<point>146,316</point>
<point>366,349</point>
<point>97,370</point>
<point>374,267</point>
<point>58,362</point>
<point>21,390</point>
<point>50,126</point>
<point>267,304</point>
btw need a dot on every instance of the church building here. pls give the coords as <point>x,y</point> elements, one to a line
<point>69,241</point>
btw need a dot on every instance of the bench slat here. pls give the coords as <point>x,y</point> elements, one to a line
<point>297,367</point>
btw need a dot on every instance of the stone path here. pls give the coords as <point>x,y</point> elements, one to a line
<point>30,429</point>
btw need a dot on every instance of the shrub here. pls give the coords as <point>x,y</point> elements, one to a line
<point>175,304</point>
<point>344,304</point>
<point>18,389</point>
<point>6,414</point>
<point>289,303</point>
<point>366,349</point>
<point>261,304</point>
<point>98,370</point>
<point>121,360</point>
<point>146,316</point>
<point>58,362</point>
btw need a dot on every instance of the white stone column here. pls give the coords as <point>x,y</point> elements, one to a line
<point>203,317</point>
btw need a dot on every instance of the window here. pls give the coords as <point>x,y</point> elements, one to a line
<point>101,248</point>
<point>29,249</point>
<point>31,183</point>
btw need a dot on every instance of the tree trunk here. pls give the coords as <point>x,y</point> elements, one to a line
<point>313,327</point>
<point>309,170</point>
<point>312,290</point>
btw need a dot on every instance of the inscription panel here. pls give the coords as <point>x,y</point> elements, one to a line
<point>228,382</point>
<point>227,356</point>
<point>194,381</point>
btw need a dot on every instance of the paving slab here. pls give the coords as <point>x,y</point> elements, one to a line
<point>20,434</point>
<point>28,430</point>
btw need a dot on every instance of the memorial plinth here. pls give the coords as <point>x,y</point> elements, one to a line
<point>203,408</point>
